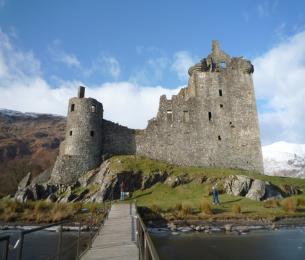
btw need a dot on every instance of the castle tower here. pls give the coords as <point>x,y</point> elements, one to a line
<point>82,148</point>
<point>212,122</point>
<point>84,126</point>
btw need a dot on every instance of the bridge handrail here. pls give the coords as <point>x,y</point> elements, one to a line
<point>6,239</point>
<point>20,242</point>
<point>146,246</point>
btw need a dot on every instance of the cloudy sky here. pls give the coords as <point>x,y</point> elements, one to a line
<point>129,52</point>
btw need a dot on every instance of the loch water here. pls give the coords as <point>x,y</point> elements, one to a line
<point>42,245</point>
<point>282,244</point>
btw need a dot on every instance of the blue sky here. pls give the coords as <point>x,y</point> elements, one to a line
<point>131,51</point>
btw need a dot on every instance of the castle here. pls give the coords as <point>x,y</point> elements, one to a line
<point>211,123</point>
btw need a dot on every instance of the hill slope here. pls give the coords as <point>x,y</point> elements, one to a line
<point>28,142</point>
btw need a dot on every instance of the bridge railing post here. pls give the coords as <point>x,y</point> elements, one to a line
<point>78,241</point>
<point>19,253</point>
<point>59,245</point>
<point>6,240</point>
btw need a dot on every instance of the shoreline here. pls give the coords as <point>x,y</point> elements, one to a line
<point>238,227</point>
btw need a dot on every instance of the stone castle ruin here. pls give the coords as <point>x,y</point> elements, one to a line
<point>211,123</point>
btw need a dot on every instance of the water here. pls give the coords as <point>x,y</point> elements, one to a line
<point>284,244</point>
<point>42,245</point>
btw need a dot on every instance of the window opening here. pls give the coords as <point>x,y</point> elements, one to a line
<point>221,105</point>
<point>210,116</point>
<point>93,108</point>
<point>72,107</point>
<point>220,92</point>
<point>219,138</point>
<point>70,133</point>
<point>186,116</point>
<point>222,65</point>
<point>92,133</point>
<point>169,114</point>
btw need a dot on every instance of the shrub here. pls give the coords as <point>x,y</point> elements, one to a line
<point>178,206</point>
<point>272,203</point>
<point>42,206</point>
<point>61,211</point>
<point>236,209</point>
<point>289,205</point>
<point>156,208</point>
<point>186,209</point>
<point>206,208</point>
<point>300,202</point>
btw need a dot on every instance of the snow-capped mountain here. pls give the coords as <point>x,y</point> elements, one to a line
<point>284,159</point>
<point>14,113</point>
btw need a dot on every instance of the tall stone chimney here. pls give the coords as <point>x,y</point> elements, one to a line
<point>81,92</point>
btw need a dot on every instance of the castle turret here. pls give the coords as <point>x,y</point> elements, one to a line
<point>84,126</point>
<point>82,148</point>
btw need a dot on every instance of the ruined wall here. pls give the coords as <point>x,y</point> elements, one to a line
<point>117,139</point>
<point>212,122</point>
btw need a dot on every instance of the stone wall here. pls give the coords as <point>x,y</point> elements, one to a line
<point>118,139</point>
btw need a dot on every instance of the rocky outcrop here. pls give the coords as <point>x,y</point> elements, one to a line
<point>153,178</point>
<point>257,190</point>
<point>174,181</point>
<point>254,189</point>
<point>237,185</point>
<point>103,183</point>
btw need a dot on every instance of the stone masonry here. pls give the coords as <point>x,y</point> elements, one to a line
<point>211,123</point>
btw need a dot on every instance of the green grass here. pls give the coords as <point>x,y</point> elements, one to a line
<point>165,198</point>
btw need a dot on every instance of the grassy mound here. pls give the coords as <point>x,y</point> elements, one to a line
<point>189,201</point>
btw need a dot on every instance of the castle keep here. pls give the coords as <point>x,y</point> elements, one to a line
<point>212,123</point>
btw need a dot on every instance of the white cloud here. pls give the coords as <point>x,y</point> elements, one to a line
<point>111,66</point>
<point>126,103</point>
<point>182,61</point>
<point>152,71</point>
<point>14,62</point>
<point>279,79</point>
<point>59,55</point>
<point>266,8</point>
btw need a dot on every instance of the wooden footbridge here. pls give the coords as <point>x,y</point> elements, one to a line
<point>122,235</point>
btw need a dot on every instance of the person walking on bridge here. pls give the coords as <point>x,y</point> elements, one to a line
<point>122,188</point>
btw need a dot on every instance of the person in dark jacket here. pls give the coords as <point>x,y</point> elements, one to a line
<point>215,195</point>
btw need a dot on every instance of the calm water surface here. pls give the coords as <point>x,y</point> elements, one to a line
<point>42,245</point>
<point>284,244</point>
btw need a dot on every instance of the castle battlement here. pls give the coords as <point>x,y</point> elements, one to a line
<point>212,123</point>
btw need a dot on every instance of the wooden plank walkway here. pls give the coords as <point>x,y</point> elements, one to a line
<point>117,237</point>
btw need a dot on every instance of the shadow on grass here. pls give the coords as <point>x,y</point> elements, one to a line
<point>140,195</point>
<point>218,210</point>
<point>230,201</point>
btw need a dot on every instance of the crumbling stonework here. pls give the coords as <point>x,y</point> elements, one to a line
<point>212,123</point>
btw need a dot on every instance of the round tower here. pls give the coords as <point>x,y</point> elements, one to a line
<point>84,128</point>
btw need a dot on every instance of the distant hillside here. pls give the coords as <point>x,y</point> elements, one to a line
<point>28,142</point>
<point>284,159</point>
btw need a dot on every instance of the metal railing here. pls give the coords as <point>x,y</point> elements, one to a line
<point>92,228</point>
<point>147,250</point>
<point>6,240</point>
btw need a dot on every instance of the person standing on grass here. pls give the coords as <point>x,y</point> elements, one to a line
<point>215,195</point>
<point>122,188</point>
